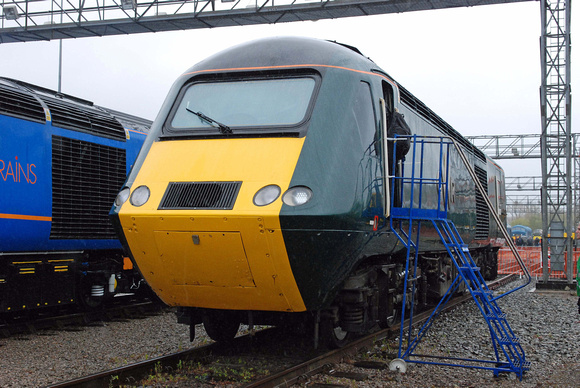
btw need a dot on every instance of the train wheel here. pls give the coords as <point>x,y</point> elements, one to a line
<point>221,325</point>
<point>92,295</point>
<point>333,335</point>
<point>91,302</point>
<point>494,263</point>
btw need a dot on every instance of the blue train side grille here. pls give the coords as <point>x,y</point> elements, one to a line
<point>200,195</point>
<point>86,178</point>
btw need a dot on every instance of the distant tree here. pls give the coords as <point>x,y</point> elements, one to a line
<point>532,220</point>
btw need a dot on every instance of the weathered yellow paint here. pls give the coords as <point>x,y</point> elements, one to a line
<point>224,250</point>
<point>237,259</point>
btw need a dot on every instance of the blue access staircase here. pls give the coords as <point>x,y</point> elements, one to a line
<point>420,200</point>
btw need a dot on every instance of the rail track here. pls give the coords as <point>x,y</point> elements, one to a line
<point>30,324</point>
<point>313,363</point>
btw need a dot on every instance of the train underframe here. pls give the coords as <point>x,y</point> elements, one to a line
<point>33,281</point>
<point>371,297</point>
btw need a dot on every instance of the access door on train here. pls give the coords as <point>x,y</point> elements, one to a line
<point>387,107</point>
<point>375,165</point>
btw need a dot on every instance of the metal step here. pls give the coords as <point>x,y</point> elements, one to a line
<point>505,344</point>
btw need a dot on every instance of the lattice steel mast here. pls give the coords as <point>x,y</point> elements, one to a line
<point>556,136</point>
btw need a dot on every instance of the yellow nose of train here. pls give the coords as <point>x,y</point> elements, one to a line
<point>199,239</point>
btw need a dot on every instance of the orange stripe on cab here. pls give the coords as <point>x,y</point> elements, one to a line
<point>25,217</point>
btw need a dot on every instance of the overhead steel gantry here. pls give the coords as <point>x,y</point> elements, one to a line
<point>520,205</point>
<point>560,154</point>
<point>556,146</point>
<point>33,20</point>
<point>523,195</point>
<point>41,20</point>
<point>529,146</point>
<point>509,146</point>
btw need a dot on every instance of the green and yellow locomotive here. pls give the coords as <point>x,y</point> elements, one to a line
<point>261,194</point>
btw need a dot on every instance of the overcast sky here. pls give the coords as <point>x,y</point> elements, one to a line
<point>477,67</point>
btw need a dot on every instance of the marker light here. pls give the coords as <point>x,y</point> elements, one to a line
<point>122,197</point>
<point>140,196</point>
<point>266,195</point>
<point>297,196</point>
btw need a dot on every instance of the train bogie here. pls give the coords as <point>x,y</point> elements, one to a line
<point>263,193</point>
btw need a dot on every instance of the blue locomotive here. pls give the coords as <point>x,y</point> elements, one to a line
<point>62,162</point>
<point>261,193</point>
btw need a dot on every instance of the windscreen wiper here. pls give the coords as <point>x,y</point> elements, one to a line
<point>222,127</point>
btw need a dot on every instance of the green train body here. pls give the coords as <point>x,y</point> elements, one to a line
<point>301,122</point>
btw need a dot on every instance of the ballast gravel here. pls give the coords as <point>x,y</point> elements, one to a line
<point>547,323</point>
<point>52,356</point>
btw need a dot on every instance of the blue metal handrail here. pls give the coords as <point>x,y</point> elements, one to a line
<point>442,180</point>
<point>502,336</point>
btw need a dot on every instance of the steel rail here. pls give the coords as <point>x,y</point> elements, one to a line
<point>133,373</point>
<point>317,365</point>
<point>10,327</point>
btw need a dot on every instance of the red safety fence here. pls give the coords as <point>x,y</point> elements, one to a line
<point>532,258</point>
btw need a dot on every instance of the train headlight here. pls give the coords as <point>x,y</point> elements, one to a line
<point>266,195</point>
<point>140,196</point>
<point>122,197</point>
<point>297,196</point>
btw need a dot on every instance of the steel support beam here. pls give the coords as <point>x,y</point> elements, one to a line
<point>524,146</point>
<point>527,146</point>
<point>523,204</point>
<point>523,183</point>
<point>33,20</point>
<point>556,138</point>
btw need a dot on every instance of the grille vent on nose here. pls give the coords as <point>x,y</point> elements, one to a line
<point>200,195</point>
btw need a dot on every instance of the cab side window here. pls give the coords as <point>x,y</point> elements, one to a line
<point>388,97</point>
<point>364,116</point>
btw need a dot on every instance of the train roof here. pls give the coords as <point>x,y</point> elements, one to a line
<point>285,51</point>
<point>27,101</point>
<point>301,51</point>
